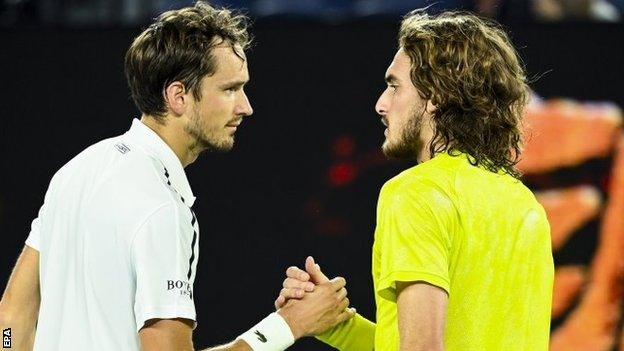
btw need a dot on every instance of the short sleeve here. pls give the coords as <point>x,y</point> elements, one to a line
<point>414,225</point>
<point>34,237</point>
<point>161,253</point>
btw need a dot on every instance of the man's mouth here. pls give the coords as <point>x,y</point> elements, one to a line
<point>384,122</point>
<point>234,124</point>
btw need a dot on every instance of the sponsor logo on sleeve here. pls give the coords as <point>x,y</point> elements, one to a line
<point>181,286</point>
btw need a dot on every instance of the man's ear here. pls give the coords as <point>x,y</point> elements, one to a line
<point>431,108</point>
<point>177,98</point>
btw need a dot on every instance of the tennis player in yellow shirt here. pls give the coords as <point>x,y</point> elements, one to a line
<point>462,258</point>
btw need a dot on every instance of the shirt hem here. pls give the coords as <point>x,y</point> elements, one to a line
<point>387,285</point>
<point>165,312</point>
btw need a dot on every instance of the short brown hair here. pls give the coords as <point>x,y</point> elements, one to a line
<point>470,71</point>
<point>177,47</point>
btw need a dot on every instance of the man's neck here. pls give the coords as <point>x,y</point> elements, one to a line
<point>173,134</point>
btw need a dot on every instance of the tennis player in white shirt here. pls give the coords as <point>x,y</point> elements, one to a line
<point>111,259</point>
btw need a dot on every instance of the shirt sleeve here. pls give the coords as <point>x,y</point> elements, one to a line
<point>161,253</point>
<point>414,225</point>
<point>34,237</point>
<point>356,334</point>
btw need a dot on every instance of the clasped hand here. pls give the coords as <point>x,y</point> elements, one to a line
<point>310,302</point>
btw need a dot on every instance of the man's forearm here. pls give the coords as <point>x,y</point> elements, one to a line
<point>358,333</point>
<point>272,333</point>
<point>19,306</point>
<point>236,345</point>
<point>22,329</point>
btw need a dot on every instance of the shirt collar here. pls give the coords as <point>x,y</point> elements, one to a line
<point>157,148</point>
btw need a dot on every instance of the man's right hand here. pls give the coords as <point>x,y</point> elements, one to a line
<point>323,306</point>
<point>298,282</point>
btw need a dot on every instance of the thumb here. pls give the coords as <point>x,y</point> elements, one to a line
<point>314,270</point>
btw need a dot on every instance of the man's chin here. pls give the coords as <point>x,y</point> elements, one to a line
<point>219,147</point>
<point>225,147</point>
<point>398,152</point>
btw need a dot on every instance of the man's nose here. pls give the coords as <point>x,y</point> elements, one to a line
<point>380,106</point>
<point>244,107</point>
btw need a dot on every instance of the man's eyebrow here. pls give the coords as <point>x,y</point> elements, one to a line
<point>390,78</point>
<point>234,83</point>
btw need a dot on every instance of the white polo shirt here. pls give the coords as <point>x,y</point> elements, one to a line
<point>118,244</point>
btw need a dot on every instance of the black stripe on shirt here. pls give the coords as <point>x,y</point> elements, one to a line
<point>193,221</point>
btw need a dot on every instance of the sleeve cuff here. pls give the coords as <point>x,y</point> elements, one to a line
<point>32,243</point>
<point>356,334</point>
<point>387,285</point>
<point>165,312</point>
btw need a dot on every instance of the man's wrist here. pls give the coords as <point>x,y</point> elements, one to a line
<point>272,334</point>
<point>295,329</point>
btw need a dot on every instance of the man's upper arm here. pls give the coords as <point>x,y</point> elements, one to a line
<point>162,258</point>
<point>176,335</point>
<point>421,310</point>
<point>415,224</point>
<point>167,334</point>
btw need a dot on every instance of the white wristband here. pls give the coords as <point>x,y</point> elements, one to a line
<point>271,334</point>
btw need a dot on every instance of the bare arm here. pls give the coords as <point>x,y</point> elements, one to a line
<point>19,307</point>
<point>318,311</point>
<point>177,334</point>
<point>421,312</point>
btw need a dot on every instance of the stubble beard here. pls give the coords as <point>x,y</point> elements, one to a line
<point>409,145</point>
<point>203,141</point>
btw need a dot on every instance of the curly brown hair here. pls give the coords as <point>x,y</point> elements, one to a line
<point>469,70</point>
<point>178,47</point>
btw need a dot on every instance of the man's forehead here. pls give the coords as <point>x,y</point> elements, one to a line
<point>400,65</point>
<point>229,60</point>
<point>226,49</point>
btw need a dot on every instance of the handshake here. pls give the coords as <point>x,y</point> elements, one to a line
<point>310,302</point>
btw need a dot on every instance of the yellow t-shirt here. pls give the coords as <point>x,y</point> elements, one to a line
<point>480,236</point>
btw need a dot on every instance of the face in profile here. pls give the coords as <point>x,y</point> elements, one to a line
<point>404,113</point>
<point>215,118</point>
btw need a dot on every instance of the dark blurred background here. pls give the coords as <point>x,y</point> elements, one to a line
<point>306,170</point>
<point>131,12</point>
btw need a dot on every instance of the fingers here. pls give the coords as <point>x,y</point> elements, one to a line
<point>310,264</point>
<point>294,286</point>
<point>315,272</point>
<point>338,283</point>
<point>288,294</point>
<point>342,293</point>
<point>291,283</point>
<point>296,273</point>
<point>279,302</point>
<point>346,315</point>
<point>343,304</point>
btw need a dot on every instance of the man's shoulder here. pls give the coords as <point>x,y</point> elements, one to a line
<point>100,153</point>
<point>437,173</point>
<point>117,167</point>
<point>133,190</point>
<point>137,176</point>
